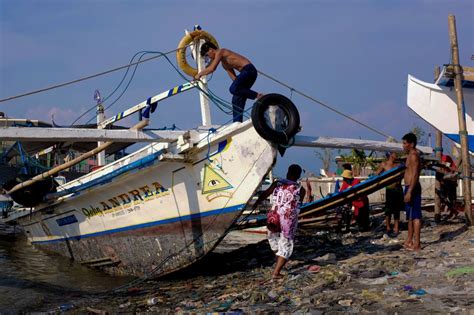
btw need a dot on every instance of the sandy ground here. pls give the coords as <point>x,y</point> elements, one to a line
<point>360,272</point>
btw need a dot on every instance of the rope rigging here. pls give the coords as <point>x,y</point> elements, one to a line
<point>223,105</point>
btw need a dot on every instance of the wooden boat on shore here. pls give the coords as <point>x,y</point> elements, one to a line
<point>168,204</point>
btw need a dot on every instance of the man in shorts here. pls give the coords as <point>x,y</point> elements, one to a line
<point>393,195</point>
<point>412,193</point>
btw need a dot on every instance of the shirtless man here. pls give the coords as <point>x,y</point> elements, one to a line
<point>393,195</point>
<point>231,61</point>
<point>412,192</point>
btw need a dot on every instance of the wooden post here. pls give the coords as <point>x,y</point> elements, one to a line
<point>438,151</point>
<point>466,163</point>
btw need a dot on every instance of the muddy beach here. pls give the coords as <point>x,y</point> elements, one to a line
<point>360,272</point>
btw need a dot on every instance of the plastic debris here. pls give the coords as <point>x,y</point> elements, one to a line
<point>66,307</point>
<point>314,268</point>
<point>418,292</point>
<point>460,271</point>
<point>381,280</point>
<point>153,301</point>
<point>345,302</point>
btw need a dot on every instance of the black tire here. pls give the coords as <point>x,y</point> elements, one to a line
<point>285,133</point>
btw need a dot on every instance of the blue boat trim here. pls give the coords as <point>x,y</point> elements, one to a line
<point>67,220</point>
<point>455,138</point>
<point>334,196</point>
<point>141,163</point>
<point>148,224</point>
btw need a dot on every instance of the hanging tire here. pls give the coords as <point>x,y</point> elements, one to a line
<point>275,118</point>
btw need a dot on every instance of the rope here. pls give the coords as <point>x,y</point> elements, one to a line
<point>323,104</point>
<point>80,79</point>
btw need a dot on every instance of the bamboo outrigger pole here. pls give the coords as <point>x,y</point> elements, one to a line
<point>466,163</point>
<point>438,151</point>
<point>142,124</point>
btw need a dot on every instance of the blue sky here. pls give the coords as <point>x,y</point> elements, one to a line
<point>352,55</point>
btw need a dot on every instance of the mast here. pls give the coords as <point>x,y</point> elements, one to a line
<point>204,100</point>
<point>466,163</point>
<point>100,119</point>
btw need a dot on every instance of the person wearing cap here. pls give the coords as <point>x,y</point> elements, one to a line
<point>393,195</point>
<point>361,204</point>
<point>243,82</point>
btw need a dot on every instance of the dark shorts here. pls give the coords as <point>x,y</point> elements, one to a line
<point>394,202</point>
<point>413,208</point>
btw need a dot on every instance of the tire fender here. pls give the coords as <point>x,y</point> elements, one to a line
<point>261,124</point>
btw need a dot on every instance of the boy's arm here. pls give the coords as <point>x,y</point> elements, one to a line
<point>414,168</point>
<point>212,67</point>
<point>231,73</point>
<point>380,169</point>
<point>265,194</point>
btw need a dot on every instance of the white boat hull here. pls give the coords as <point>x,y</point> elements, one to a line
<point>152,213</point>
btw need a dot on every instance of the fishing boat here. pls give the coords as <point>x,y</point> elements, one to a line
<point>436,103</point>
<point>168,204</point>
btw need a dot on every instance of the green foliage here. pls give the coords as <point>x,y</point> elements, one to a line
<point>360,160</point>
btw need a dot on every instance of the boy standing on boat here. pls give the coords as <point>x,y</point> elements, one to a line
<point>231,61</point>
<point>286,200</point>
<point>393,195</point>
<point>412,192</point>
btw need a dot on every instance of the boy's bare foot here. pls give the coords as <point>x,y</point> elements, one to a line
<point>414,249</point>
<point>407,245</point>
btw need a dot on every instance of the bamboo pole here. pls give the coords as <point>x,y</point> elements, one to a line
<point>142,124</point>
<point>466,163</point>
<point>438,151</point>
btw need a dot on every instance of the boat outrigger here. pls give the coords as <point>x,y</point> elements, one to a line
<point>168,204</point>
<point>436,103</point>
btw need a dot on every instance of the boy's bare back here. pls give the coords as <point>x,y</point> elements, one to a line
<point>232,60</point>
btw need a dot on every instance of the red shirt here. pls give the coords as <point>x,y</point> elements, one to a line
<point>359,202</point>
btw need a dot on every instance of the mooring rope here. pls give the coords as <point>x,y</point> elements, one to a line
<point>323,104</point>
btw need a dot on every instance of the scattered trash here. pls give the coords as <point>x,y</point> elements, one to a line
<point>382,280</point>
<point>460,271</point>
<point>66,307</point>
<point>96,311</point>
<point>153,301</point>
<point>418,292</point>
<point>407,288</point>
<point>345,302</point>
<point>329,258</point>
<point>371,295</point>
<point>125,305</point>
<point>314,268</point>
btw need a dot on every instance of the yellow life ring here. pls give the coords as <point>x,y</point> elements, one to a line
<point>185,41</point>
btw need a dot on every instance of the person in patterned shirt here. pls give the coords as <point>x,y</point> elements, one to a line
<point>287,195</point>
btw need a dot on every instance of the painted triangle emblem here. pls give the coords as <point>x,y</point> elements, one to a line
<point>213,182</point>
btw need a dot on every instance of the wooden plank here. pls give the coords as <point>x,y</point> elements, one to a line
<point>345,143</point>
<point>467,73</point>
<point>87,135</point>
